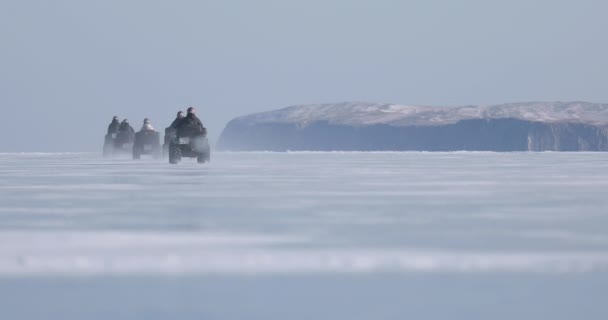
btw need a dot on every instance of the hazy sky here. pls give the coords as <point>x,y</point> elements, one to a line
<point>68,66</point>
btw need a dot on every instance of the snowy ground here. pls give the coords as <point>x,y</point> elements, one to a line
<point>305,235</point>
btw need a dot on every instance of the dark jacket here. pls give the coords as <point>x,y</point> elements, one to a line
<point>126,127</point>
<point>126,133</point>
<point>190,125</point>
<point>113,127</point>
<point>175,122</point>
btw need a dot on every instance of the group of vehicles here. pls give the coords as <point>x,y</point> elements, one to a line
<point>185,137</point>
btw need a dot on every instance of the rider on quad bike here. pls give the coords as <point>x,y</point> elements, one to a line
<point>190,124</point>
<point>108,144</point>
<point>147,126</point>
<point>119,141</point>
<point>125,128</point>
<point>113,127</point>
<point>125,137</point>
<point>147,141</point>
<point>178,119</point>
<point>189,139</point>
<point>170,131</point>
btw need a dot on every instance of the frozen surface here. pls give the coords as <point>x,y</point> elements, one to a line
<point>305,235</point>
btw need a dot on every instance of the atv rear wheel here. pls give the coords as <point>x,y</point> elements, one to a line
<point>175,154</point>
<point>108,149</point>
<point>204,157</point>
<point>201,158</point>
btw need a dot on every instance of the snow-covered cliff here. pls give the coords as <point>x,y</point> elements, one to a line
<point>572,126</point>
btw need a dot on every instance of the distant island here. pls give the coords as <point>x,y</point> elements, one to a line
<point>529,126</point>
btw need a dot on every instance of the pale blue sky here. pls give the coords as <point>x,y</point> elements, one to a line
<point>68,66</point>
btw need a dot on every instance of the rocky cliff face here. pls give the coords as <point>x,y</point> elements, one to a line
<point>572,126</point>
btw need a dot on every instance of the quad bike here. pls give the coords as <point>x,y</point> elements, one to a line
<point>117,143</point>
<point>147,143</point>
<point>192,145</point>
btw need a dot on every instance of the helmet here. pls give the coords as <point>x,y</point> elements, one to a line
<point>180,114</point>
<point>125,121</point>
<point>191,110</point>
<point>146,120</point>
<point>115,118</point>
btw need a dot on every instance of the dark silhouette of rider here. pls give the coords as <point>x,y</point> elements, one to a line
<point>126,133</point>
<point>125,127</point>
<point>147,126</point>
<point>178,118</point>
<point>113,127</point>
<point>190,125</point>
